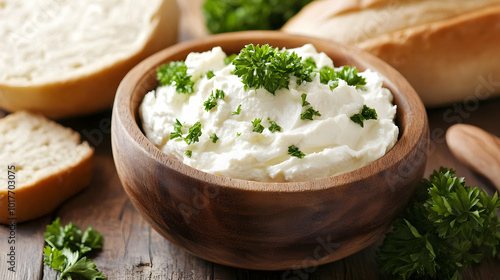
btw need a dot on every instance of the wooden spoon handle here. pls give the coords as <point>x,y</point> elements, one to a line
<point>476,149</point>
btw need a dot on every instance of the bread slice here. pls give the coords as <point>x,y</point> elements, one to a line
<point>444,48</point>
<point>67,58</point>
<point>48,163</point>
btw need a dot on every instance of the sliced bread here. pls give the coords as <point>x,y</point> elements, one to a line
<point>43,164</point>
<point>66,58</point>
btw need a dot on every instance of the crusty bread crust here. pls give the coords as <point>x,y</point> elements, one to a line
<point>444,61</point>
<point>89,92</point>
<point>42,182</point>
<point>43,197</point>
<point>444,49</point>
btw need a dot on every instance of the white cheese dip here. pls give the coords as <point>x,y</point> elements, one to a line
<point>332,143</point>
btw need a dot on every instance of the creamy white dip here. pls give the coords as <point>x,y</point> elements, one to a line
<point>332,143</point>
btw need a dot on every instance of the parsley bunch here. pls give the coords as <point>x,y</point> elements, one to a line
<point>238,15</point>
<point>270,68</point>
<point>65,250</point>
<point>447,227</point>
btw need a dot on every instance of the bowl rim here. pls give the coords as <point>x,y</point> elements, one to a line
<point>414,128</point>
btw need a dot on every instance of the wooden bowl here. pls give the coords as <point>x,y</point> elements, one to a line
<point>264,225</point>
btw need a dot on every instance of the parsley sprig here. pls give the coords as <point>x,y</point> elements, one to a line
<point>211,102</point>
<point>447,227</point>
<point>269,68</point>
<point>193,135</point>
<point>273,126</point>
<point>66,248</point>
<point>175,73</point>
<point>257,126</point>
<point>366,113</point>
<point>349,74</point>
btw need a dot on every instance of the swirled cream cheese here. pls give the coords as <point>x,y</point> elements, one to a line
<point>331,143</point>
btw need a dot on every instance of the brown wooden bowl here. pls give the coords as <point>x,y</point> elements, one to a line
<point>264,225</point>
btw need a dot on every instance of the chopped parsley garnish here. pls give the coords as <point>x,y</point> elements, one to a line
<point>210,74</point>
<point>327,74</point>
<point>309,62</point>
<point>177,133</point>
<point>351,76</point>
<point>347,73</point>
<point>309,113</point>
<point>175,73</point>
<point>274,126</point>
<point>295,152</point>
<point>366,113</point>
<point>188,153</point>
<point>237,112</point>
<point>229,59</point>
<point>194,134</point>
<point>212,100</point>
<point>304,102</point>
<point>238,134</point>
<point>214,138</point>
<point>257,127</point>
<point>269,68</point>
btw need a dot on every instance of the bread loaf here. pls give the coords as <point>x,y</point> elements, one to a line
<point>448,50</point>
<point>43,164</point>
<point>66,58</point>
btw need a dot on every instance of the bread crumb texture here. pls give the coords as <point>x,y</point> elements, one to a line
<point>51,163</point>
<point>43,41</point>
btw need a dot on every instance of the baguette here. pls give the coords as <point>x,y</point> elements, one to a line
<point>446,49</point>
<point>47,162</point>
<point>66,58</point>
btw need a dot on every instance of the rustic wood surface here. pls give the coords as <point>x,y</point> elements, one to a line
<point>132,250</point>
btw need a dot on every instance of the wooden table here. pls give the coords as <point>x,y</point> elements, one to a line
<point>132,250</point>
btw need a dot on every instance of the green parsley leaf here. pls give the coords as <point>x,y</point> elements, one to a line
<point>210,74</point>
<point>257,127</point>
<point>188,153</point>
<point>214,138</point>
<point>238,15</point>
<point>72,237</point>
<point>327,74</point>
<point>65,250</point>
<point>237,112</point>
<point>175,73</point>
<point>229,59</point>
<point>238,134</point>
<point>347,73</point>
<point>211,102</point>
<point>274,126</point>
<point>194,134</point>
<point>309,113</point>
<point>351,76</point>
<point>77,266</point>
<point>309,62</point>
<point>177,133</point>
<point>304,102</point>
<point>446,228</point>
<point>295,152</point>
<point>269,68</point>
<point>366,113</point>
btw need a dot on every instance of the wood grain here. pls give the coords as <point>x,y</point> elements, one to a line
<point>476,149</point>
